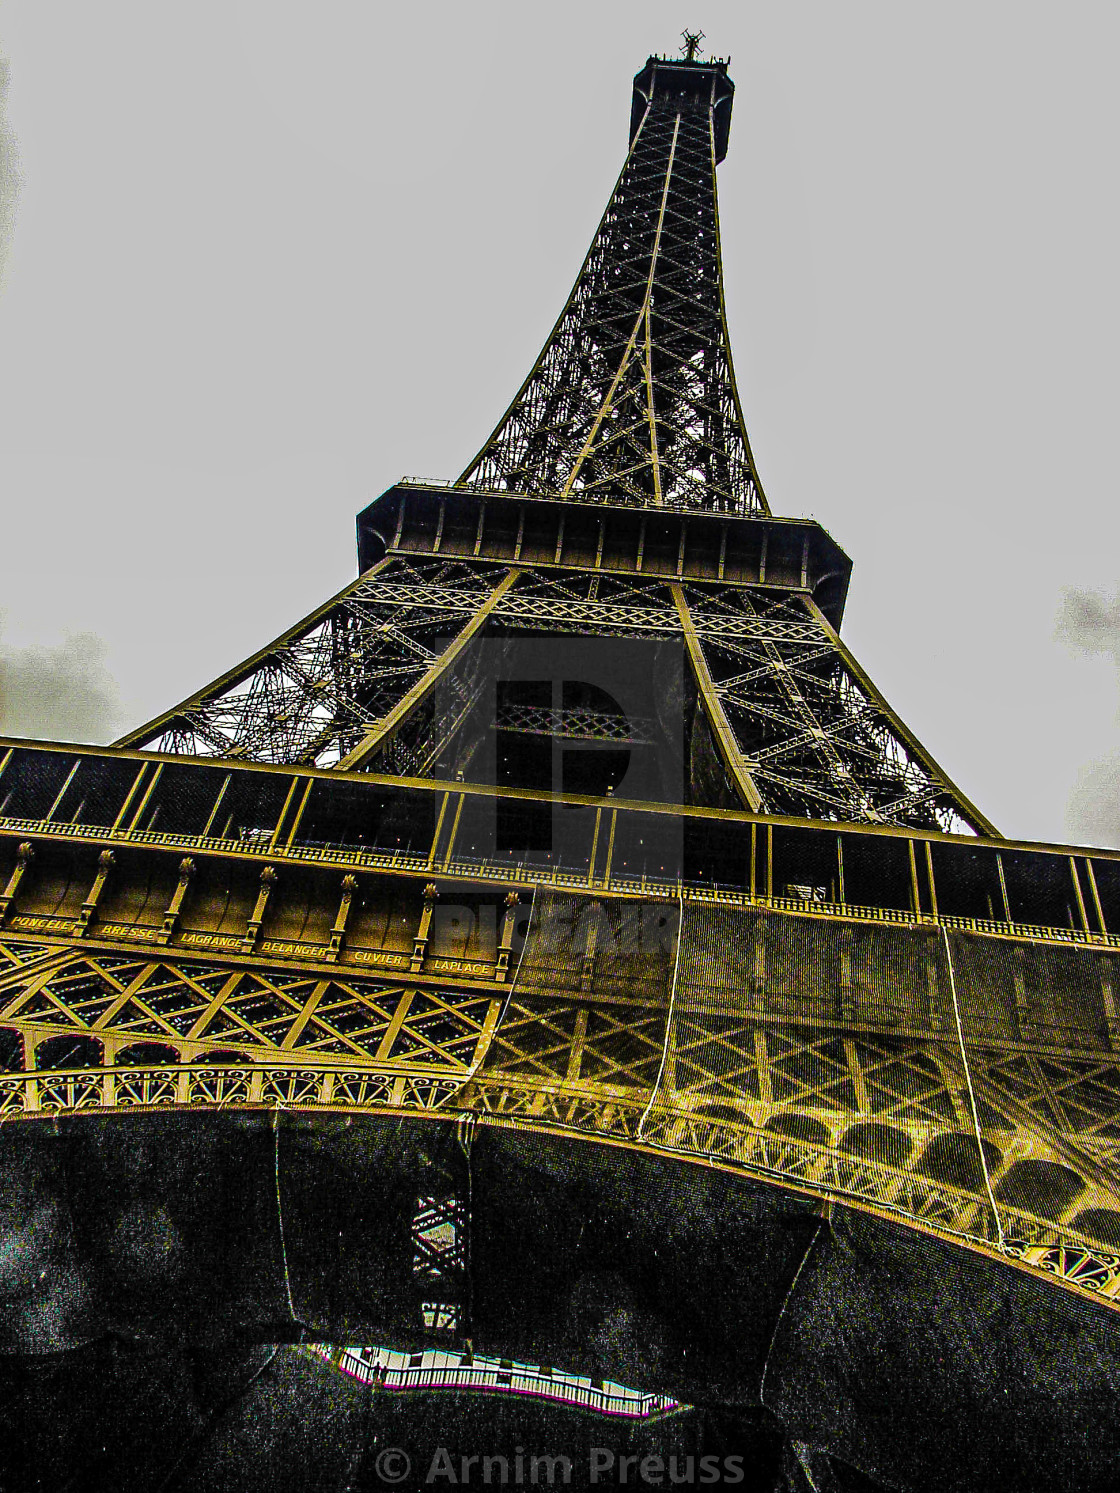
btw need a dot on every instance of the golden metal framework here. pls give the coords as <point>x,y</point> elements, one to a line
<point>811,964</point>
<point>953,1070</point>
<point>799,726</point>
<point>856,1109</point>
<point>631,405</point>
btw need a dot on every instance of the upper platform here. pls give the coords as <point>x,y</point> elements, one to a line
<point>672,82</point>
<point>598,535</point>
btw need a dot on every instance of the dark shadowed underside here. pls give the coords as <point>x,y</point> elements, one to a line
<point>150,1259</point>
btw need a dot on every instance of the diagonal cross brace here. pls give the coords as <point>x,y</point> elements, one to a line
<point>386,728</point>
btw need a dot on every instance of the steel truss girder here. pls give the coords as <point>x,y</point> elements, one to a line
<point>721,1082</point>
<point>573,724</point>
<point>799,727</point>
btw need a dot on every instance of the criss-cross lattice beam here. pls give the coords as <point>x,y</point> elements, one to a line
<point>266,1014</point>
<point>572,724</point>
<point>800,725</point>
<point>336,686</point>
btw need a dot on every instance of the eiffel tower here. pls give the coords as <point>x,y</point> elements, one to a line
<point>554,950</point>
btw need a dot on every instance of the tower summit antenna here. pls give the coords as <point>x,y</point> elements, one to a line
<point>692,47</point>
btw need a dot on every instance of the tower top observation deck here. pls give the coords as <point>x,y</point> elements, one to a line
<point>685,86</point>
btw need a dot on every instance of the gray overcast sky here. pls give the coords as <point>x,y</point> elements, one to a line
<point>269,256</point>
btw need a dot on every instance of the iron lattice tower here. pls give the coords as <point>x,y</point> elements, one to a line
<point>573,820</point>
<point>620,492</point>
